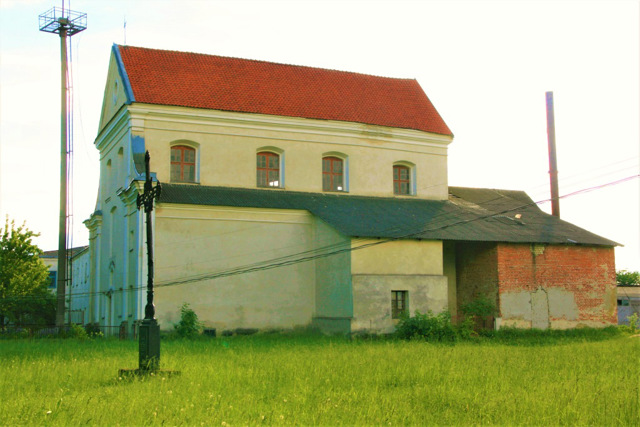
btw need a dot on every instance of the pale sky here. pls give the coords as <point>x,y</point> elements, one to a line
<point>485,65</point>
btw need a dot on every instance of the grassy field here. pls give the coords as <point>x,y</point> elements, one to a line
<point>309,380</point>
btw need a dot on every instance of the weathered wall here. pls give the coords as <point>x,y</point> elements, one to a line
<point>372,298</point>
<point>556,286</point>
<point>476,272</point>
<point>449,269</point>
<point>403,265</point>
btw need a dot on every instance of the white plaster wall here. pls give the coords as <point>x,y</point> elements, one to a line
<point>401,257</point>
<point>228,143</point>
<point>192,241</point>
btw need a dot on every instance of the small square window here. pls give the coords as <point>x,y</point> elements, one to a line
<point>399,303</point>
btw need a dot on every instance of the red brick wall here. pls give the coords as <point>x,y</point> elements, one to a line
<point>588,273</point>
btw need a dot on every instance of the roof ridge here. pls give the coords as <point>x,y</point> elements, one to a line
<point>214,82</point>
<point>264,61</point>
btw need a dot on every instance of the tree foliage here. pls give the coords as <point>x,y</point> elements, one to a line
<point>24,297</point>
<point>628,278</point>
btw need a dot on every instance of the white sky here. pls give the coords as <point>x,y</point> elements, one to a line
<point>485,65</point>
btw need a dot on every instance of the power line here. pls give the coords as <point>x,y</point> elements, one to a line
<point>326,251</point>
<point>298,258</point>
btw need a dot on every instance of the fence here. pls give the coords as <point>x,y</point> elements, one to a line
<point>123,331</point>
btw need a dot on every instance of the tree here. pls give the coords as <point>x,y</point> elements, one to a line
<point>628,278</point>
<point>24,297</point>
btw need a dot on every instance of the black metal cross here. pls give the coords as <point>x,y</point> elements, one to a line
<point>146,199</point>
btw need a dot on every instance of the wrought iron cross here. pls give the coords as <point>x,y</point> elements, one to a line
<point>146,199</point>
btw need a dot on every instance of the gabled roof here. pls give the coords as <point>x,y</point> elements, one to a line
<point>231,84</point>
<point>72,251</point>
<point>482,215</point>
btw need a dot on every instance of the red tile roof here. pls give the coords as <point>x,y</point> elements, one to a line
<point>231,84</point>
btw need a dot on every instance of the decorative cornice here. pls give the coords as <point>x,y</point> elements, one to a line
<point>262,122</point>
<point>129,195</point>
<point>118,124</point>
<point>94,221</point>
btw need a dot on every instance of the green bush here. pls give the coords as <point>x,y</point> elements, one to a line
<point>431,327</point>
<point>189,325</point>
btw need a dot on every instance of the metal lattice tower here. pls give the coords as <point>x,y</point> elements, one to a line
<point>58,20</point>
<point>65,23</point>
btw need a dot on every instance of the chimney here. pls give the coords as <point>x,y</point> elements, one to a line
<point>553,167</point>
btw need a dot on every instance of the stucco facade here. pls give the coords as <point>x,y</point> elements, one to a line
<point>335,293</point>
<point>290,251</point>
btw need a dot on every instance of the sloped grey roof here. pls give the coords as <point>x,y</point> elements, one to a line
<point>73,251</point>
<point>469,215</point>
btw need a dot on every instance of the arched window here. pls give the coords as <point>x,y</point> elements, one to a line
<point>183,164</point>
<point>332,174</point>
<point>268,169</point>
<point>402,180</point>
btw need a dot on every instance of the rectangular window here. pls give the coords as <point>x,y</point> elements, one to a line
<point>399,303</point>
<point>268,169</point>
<point>401,180</point>
<point>332,174</point>
<point>53,278</point>
<point>183,164</point>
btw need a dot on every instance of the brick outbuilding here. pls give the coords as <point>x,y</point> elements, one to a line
<point>545,273</point>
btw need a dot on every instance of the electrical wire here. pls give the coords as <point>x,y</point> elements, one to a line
<point>310,255</point>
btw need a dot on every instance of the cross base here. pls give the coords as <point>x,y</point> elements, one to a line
<point>149,345</point>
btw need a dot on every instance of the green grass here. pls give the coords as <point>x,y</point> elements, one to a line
<point>588,378</point>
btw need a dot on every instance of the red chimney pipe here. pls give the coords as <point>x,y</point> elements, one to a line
<point>553,167</point>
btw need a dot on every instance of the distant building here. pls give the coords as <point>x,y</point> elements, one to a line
<point>77,295</point>
<point>328,192</point>
<point>628,303</point>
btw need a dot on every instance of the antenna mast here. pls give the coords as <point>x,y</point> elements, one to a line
<point>66,23</point>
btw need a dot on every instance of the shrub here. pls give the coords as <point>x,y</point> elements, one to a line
<point>77,331</point>
<point>634,324</point>
<point>431,327</point>
<point>481,306</point>
<point>93,330</point>
<point>189,325</point>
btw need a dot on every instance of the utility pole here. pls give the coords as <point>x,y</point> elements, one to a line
<point>66,23</point>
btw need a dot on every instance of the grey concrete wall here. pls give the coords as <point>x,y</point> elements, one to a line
<point>372,298</point>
